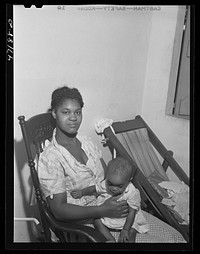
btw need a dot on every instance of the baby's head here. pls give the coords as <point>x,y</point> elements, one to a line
<point>118,175</point>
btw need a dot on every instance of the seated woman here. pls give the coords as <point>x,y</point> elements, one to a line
<point>72,162</point>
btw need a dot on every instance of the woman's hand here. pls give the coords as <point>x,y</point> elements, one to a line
<point>115,209</point>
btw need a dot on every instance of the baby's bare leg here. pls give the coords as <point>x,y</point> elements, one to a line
<point>104,230</point>
<point>132,235</point>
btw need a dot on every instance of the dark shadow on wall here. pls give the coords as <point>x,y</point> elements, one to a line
<point>29,210</point>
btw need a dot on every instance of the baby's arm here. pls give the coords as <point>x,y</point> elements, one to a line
<point>124,234</point>
<point>84,192</point>
<point>104,230</point>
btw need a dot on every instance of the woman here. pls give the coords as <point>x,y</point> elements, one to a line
<point>72,162</point>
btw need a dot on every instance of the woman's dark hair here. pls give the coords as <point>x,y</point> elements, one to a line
<point>63,93</point>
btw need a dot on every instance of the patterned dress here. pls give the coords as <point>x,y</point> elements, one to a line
<point>60,172</point>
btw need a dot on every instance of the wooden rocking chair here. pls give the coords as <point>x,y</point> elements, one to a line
<point>35,132</point>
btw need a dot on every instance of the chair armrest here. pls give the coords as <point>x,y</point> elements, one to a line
<point>92,234</point>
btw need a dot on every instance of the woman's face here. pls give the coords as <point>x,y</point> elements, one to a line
<point>68,116</point>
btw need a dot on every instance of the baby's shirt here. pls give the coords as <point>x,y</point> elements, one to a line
<point>132,196</point>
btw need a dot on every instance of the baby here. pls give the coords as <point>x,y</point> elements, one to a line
<point>118,182</point>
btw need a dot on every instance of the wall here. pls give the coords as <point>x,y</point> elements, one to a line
<point>97,52</point>
<point>173,132</point>
<point>112,57</point>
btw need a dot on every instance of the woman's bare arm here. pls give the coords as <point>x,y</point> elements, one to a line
<point>65,211</point>
<point>104,230</point>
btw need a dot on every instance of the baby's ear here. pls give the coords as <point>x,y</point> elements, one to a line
<point>132,175</point>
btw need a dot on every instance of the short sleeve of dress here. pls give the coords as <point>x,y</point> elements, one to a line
<point>133,197</point>
<point>51,176</point>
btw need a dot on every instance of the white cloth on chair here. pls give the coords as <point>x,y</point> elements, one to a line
<point>102,124</point>
<point>178,198</point>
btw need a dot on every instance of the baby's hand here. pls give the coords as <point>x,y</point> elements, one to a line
<point>76,193</point>
<point>124,236</point>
